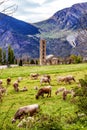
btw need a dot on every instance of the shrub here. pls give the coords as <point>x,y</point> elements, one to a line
<point>82,95</point>
<point>76,59</point>
<point>32,61</point>
<point>43,122</point>
<point>47,122</point>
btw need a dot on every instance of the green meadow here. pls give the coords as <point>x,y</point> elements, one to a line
<point>54,106</point>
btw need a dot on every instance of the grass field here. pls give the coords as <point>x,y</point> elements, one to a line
<point>53,105</point>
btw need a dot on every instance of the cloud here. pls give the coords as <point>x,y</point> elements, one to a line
<point>29,4</point>
<point>49,1</point>
<point>37,10</point>
<point>38,1</point>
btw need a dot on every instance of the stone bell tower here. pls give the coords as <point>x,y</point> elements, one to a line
<point>42,52</point>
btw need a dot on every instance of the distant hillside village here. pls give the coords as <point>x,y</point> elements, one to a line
<point>43,59</point>
<point>54,60</point>
<point>51,59</point>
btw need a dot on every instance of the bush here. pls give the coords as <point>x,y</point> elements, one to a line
<point>47,122</point>
<point>82,95</point>
<point>32,61</point>
<point>43,122</point>
<point>76,59</point>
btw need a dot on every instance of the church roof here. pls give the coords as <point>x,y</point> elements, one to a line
<point>48,57</point>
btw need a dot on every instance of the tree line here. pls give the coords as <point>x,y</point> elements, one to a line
<point>7,57</point>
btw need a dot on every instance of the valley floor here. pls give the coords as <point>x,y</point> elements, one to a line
<point>59,113</point>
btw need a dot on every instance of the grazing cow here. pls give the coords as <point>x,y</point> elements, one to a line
<point>45,79</point>
<point>70,78</point>
<point>44,90</point>
<point>65,92</point>
<point>2,91</point>
<point>19,79</point>
<point>60,90</point>
<point>1,82</point>
<point>8,80</point>
<point>61,79</point>
<point>34,76</point>
<point>26,110</point>
<point>36,88</point>
<point>16,86</point>
<point>66,79</point>
<point>24,89</point>
<point>48,76</point>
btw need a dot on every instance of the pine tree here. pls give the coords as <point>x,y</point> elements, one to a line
<point>10,55</point>
<point>4,57</point>
<point>20,62</point>
<point>0,55</point>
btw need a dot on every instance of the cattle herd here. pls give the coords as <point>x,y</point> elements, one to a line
<point>45,80</point>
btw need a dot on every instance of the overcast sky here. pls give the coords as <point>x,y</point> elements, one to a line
<point>37,10</point>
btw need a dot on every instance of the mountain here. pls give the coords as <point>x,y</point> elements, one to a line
<point>68,18</point>
<point>60,31</point>
<point>20,35</point>
<point>17,26</point>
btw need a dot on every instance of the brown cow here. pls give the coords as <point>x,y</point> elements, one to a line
<point>66,79</point>
<point>16,86</point>
<point>45,79</point>
<point>44,90</point>
<point>60,90</point>
<point>1,82</point>
<point>23,89</point>
<point>8,80</point>
<point>34,76</point>
<point>66,92</point>
<point>2,91</point>
<point>26,110</point>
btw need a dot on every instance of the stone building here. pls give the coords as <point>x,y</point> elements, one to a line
<point>52,60</point>
<point>49,59</point>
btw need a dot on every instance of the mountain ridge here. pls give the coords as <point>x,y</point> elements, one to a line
<point>67,15</point>
<point>24,37</point>
<point>16,25</point>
